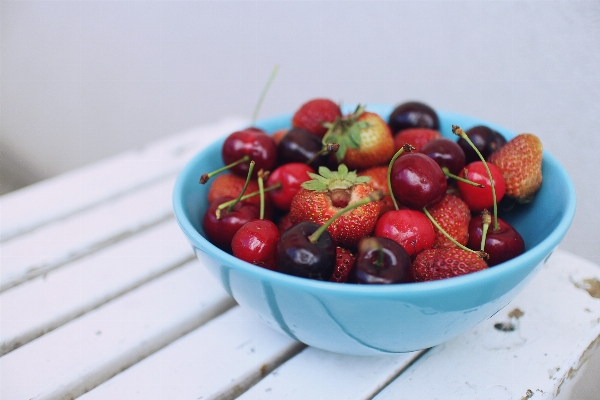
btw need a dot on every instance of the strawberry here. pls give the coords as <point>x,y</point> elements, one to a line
<point>344,261</point>
<point>378,181</point>
<point>416,137</point>
<point>228,184</point>
<point>329,192</point>
<point>364,138</point>
<point>441,263</point>
<point>454,216</point>
<point>314,113</point>
<point>520,161</point>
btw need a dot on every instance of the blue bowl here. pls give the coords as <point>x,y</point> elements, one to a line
<point>379,319</point>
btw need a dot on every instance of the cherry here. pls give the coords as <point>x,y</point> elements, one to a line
<point>250,144</point>
<point>485,139</point>
<point>479,198</point>
<point>409,228</point>
<point>380,260</point>
<point>413,114</point>
<point>501,243</point>
<point>298,255</point>
<point>299,145</point>
<point>220,225</point>
<point>256,242</point>
<point>417,180</point>
<point>447,153</point>
<point>290,176</point>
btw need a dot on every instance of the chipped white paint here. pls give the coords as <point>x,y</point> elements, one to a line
<point>101,281</point>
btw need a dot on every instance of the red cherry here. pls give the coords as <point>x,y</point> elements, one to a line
<point>220,231</point>
<point>253,143</point>
<point>290,176</point>
<point>409,228</point>
<point>256,242</point>
<point>417,180</point>
<point>501,244</point>
<point>479,198</point>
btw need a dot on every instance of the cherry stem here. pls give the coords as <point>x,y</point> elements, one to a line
<point>264,93</point>
<point>481,254</point>
<point>373,196</point>
<point>460,178</point>
<point>244,197</point>
<point>487,220</point>
<point>262,175</point>
<point>460,132</point>
<point>380,254</point>
<point>406,147</point>
<point>327,149</point>
<point>205,177</point>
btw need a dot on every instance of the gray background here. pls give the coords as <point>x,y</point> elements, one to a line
<point>82,80</point>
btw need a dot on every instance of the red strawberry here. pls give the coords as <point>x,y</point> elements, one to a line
<point>378,181</point>
<point>416,137</point>
<point>364,137</point>
<point>520,161</point>
<point>344,261</point>
<point>312,114</point>
<point>328,193</point>
<point>228,184</point>
<point>454,216</point>
<point>441,263</point>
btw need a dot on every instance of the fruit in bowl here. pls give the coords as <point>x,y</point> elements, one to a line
<point>371,319</point>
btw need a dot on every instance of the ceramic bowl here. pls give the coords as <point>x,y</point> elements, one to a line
<point>379,319</point>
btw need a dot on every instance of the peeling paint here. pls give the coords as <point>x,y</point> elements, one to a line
<point>516,313</point>
<point>590,285</point>
<point>528,395</point>
<point>587,354</point>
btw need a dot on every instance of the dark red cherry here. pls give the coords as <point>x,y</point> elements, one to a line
<point>256,242</point>
<point>290,176</point>
<point>220,231</point>
<point>297,255</point>
<point>380,260</point>
<point>417,181</point>
<point>299,145</point>
<point>413,114</point>
<point>253,143</point>
<point>447,153</point>
<point>485,139</point>
<point>501,245</point>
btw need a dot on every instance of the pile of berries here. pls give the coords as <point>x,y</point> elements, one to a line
<point>355,198</point>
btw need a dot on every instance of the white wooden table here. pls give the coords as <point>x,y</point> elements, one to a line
<point>101,297</point>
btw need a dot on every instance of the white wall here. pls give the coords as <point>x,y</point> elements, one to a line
<point>81,80</point>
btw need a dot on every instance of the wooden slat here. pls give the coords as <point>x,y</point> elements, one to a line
<point>60,242</point>
<point>558,330</point>
<point>317,374</point>
<point>60,197</point>
<point>45,303</point>
<point>218,360</point>
<point>89,350</point>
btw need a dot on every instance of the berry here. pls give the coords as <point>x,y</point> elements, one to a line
<point>442,263</point>
<point>502,243</point>
<point>417,181</point>
<point>520,161</point>
<point>254,145</point>
<point>380,260</point>
<point>326,194</point>
<point>289,176</point>
<point>256,242</point>
<point>364,139</point>
<point>299,145</point>
<point>479,198</point>
<point>411,229</point>
<point>413,114</point>
<point>416,137</point>
<point>220,225</point>
<point>454,216</point>
<point>314,113</point>
<point>344,262</point>
<point>485,139</point>
<point>378,181</point>
<point>447,153</point>
<point>231,185</point>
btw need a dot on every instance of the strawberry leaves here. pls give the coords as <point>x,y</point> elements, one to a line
<point>346,131</point>
<point>327,180</point>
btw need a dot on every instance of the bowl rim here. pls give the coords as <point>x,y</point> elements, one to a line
<point>542,250</point>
